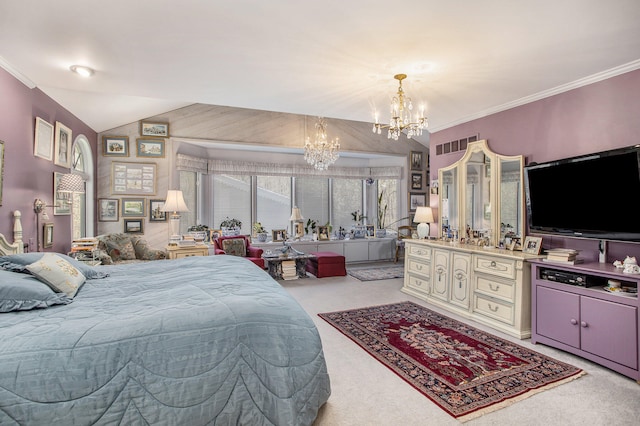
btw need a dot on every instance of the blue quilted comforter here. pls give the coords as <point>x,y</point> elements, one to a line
<point>200,340</point>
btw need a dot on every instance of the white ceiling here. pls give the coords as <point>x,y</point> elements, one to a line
<point>464,58</point>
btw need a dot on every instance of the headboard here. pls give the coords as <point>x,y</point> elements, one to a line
<point>17,246</point>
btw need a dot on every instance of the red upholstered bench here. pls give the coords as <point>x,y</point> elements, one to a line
<point>326,264</point>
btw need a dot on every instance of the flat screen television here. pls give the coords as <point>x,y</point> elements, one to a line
<point>590,196</point>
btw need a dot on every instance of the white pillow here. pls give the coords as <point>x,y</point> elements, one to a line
<point>57,273</point>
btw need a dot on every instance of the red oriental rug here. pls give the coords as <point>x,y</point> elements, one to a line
<point>464,370</point>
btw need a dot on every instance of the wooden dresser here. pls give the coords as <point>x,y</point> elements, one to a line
<point>177,252</point>
<point>491,286</point>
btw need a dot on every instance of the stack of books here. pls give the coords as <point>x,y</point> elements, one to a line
<point>289,270</point>
<point>83,248</point>
<point>563,255</point>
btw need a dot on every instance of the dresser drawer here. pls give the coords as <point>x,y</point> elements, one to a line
<point>418,283</point>
<point>493,308</point>
<point>423,252</point>
<point>415,266</point>
<point>495,266</point>
<point>500,289</point>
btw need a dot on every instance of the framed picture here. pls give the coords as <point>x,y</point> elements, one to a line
<point>158,130</point>
<point>416,160</point>
<point>134,226</point>
<point>115,146</point>
<point>47,235</point>
<point>132,207</point>
<point>532,245</point>
<point>279,234</point>
<point>299,226</point>
<point>108,210</point>
<point>61,206</point>
<point>323,233</point>
<point>369,231</point>
<point>43,141</point>
<point>155,211</point>
<point>133,178</point>
<point>417,199</point>
<point>150,148</point>
<point>62,146</point>
<point>359,231</point>
<point>214,234</point>
<point>416,180</point>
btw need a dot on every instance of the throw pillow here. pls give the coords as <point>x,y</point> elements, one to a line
<point>21,292</point>
<point>234,247</point>
<point>19,262</point>
<point>127,251</point>
<point>58,274</point>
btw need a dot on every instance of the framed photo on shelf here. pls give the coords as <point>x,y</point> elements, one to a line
<point>370,231</point>
<point>43,141</point>
<point>416,160</point>
<point>47,235</point>
<point>133,207</point>
<point>417,199</point>
<point>532,245</point>
<point>155,211</point>
<point>115,146</point>
<point>147,147</point>
<point>158,130</point>
<point>108,210</point>
<point>214,234</point>
<point>416,181</point>
<point>133,178</point>
<point>279,234</point>
<point>134,226</point>
<point>62,146</point>
<point>61,206</point>
<point>323,233</point>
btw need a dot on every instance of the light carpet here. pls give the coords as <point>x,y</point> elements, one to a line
<point>373,274</point>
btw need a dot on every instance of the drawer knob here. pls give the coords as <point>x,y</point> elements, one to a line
<point>574,321</point>
<point>584,324</point>
<point>494,289</point>
<point>492,309</point>
<point>493,263</point>
<point>419,267</point>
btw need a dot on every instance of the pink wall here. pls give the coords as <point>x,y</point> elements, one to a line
<point>597,117</point>
<point>27,177</point>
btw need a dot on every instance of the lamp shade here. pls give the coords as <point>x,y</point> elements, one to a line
<point>423,216</point>
<point>70,183</point>
<point>174,202</point>
<point>295,214</point>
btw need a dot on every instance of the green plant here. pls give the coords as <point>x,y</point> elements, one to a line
<point>357,217</point>
<point>382,211</point>
<point>311,225</point>
<point>198,228</point>
<point>230,223</point>
<point>258,228</point>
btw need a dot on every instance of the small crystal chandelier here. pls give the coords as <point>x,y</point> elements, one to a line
<point>401,116</point>
<point>321,153</point>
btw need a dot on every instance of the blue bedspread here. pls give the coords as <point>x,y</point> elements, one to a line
<point>200,340</point>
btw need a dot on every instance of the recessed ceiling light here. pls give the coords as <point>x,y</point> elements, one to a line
<point>82,70</point>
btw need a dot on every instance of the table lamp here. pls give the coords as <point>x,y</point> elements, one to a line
<point>175,204</point>
<point>423,216</point>
<point>296,218</point>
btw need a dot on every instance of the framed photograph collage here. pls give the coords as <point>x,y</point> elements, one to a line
<point>418,182</point>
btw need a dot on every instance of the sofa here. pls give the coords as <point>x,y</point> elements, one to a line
<point>239,245</point>
<point>117,248</point>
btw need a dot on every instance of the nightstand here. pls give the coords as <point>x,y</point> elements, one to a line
<point>177,252</point>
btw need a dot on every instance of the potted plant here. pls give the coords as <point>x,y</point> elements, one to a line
<point>199,232</point>
<point>310,226</point>
<point>382,216</point>
<point>357,217</point>
<point>260,232</point>
<point>230,226</point>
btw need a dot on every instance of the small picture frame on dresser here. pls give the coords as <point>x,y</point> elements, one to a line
<point>532,245</point>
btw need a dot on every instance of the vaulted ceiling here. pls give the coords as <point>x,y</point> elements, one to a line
<point>464,59</point>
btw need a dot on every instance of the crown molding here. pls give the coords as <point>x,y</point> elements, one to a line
<point>17,74</point>
<point>613,72</point>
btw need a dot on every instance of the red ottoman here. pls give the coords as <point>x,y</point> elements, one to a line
<point>326,264</point>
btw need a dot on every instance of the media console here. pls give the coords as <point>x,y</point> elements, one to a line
<point>570,310</point>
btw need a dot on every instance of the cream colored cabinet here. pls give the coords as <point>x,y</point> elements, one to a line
<point>490,286</point>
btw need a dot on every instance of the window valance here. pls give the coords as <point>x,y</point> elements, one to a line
<point>229,167</point>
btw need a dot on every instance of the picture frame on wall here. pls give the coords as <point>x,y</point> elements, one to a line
<point>134,226</point>
<point>133,178</point>
<point>43,140</point>
<point>47,235</point>
<point>115,146</point>
<point>147,147</point>
<point>417,199</point>
<point>416,160</point>
<point>61,207</point>
<point>154,129</point>
<point>155,211</point>
<point>62,145</point>
<point>133,207</point>
<point>416,181</point>
<point>108,210</point>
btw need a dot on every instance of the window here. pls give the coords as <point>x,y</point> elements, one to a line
<point>312,198</point>
<point>346,197</point>
<point>273,201</point>
<point>232,199</point>
<point>82,212</point>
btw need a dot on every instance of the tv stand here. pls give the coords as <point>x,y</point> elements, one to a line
<point>587,321</point>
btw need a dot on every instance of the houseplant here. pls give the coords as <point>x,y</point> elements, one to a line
<point>199,231</point>
<point>310,226</point>
<point>260,232</point>
<point>230,226</point>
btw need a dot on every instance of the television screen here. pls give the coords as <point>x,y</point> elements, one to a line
<point>591,196</point>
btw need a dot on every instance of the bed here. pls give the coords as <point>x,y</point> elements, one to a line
<point>199,340</point>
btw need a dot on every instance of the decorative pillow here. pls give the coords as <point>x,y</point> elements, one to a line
<point>19,262</point>
<point>127,252</point>
<point>234,247</point>
<point>58,274</point>
<point>21,292</point>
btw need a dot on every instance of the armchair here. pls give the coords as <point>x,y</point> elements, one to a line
<point>404,232</point>
<point>239,245</point>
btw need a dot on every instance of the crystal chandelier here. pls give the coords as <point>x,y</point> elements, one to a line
<point>402,116</point>
<point>321,153</point>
